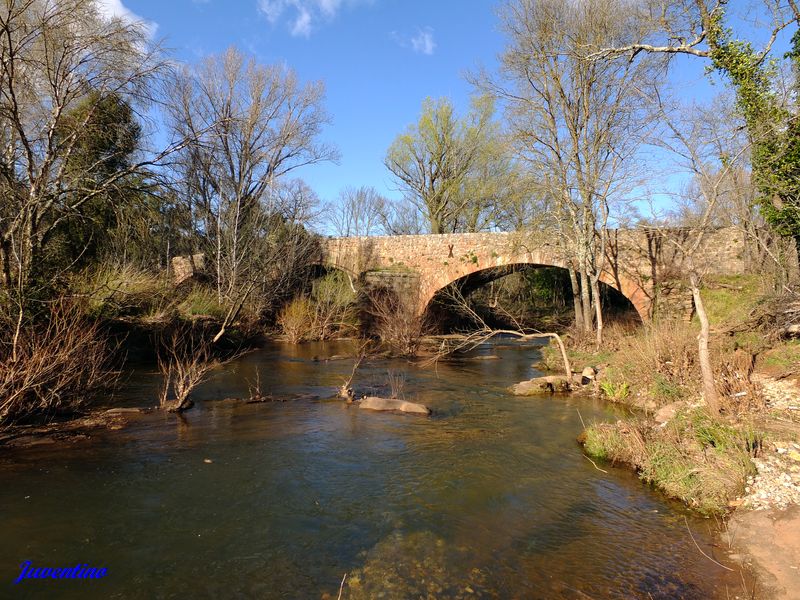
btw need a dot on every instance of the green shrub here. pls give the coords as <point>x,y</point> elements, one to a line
<point>296,320</point>
<point>616,392</point>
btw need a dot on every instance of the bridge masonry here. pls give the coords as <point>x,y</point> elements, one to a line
<point>645,265</point>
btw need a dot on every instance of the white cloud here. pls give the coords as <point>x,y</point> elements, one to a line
<point>112,9</point>
<point>303,16</point>
<point>302,24</point>
<point>423,42</point>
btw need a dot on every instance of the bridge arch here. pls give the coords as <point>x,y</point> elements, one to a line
<point>431,286</point>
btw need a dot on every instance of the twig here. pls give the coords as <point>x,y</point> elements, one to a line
<point>581,418</point>
<point>341,587</point>
<point>594,465</point>
<point>700,549</point>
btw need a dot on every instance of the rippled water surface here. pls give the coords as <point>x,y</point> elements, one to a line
<point>490,497</point>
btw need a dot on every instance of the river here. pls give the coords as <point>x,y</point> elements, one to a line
<point>489,497</point>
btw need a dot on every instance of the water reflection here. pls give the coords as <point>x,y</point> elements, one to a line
<point>491,497</point>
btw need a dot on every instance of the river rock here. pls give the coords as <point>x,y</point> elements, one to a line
<point>588,375</point>
<point>668,412</point>
<point>392,404</point>
<point>538,385</point>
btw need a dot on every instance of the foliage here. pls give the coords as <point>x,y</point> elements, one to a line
<point>69,133</point>
<point>202,302</point>
<point>111,290</point>
<point>296,320</point>
<point>616,392</point>
<point>329,310</point>
<point>453,170</point>
<point>774,130</point>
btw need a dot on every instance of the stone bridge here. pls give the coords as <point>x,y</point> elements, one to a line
<point>645,265</point>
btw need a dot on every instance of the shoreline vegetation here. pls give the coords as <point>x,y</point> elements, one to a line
<point>669,438</point>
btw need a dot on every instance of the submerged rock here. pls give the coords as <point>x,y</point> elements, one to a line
<point>538,385</point>
<point>392,404</point>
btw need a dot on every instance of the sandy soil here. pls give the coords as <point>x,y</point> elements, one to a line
<point>770,540</point>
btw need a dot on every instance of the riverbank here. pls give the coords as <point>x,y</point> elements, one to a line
<point>764,529</point>
<point>743,466</point>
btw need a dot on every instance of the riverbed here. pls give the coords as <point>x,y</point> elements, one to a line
<point>489,497</point>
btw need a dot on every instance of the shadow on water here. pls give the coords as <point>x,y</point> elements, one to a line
<point>490,498</point>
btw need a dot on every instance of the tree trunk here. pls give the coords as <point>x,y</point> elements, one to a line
<point>598,313</point>
<point>576,300</point>
<point>709,388</point>
<point>5,255</point>
<point>586,301</point>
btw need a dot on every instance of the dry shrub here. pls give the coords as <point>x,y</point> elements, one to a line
<point>396,320</point>
<point>397,383</point>
<point>659,360</point>
<point>739,394</point>
<point>52,368</point>
<point>185,361</point>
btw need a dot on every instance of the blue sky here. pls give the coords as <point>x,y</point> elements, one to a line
<point>378,58</point>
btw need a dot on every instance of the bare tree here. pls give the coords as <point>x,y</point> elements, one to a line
<point>401,217</point>
<point>251,125</point>
<point>691,27</point>
<point>576,122</point>
<point>703,29</point>
<point>358,212</point>
<point>701,142</point>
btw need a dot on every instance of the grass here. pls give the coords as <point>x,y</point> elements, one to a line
<point>616,392</point>
<point>701,460</point>
<point>112,291</point>
<point>781,357</point>
<point>729,300</point>
<point>201,302</point>
<point>694,458</point>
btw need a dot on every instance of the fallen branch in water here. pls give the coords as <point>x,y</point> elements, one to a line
<point>595,465</point>
<point>685,520</point>
<point>484,332</point>
<point>341,587</point>
<point>476,338</point>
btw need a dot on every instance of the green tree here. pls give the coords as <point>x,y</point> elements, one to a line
<point>105,134</point>
<point>450,168</point>
<point>64,67</point>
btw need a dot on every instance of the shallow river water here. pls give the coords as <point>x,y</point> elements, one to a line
<point>490,497</point>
